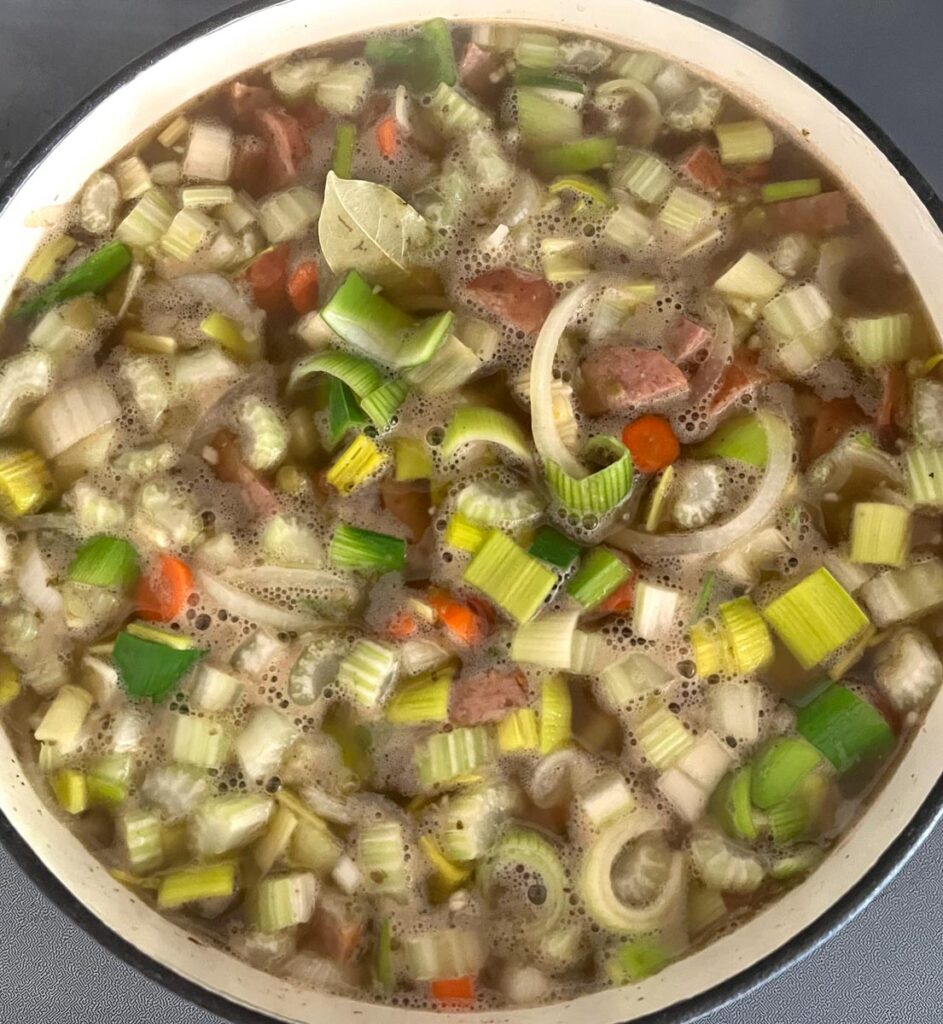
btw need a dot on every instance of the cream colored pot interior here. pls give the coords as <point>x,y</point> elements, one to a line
<point>156,91</point>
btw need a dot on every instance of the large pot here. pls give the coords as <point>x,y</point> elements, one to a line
<point>842,137</point>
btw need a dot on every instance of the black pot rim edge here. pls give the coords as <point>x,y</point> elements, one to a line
<point>834,918</point>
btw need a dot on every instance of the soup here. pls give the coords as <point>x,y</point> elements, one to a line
<point>471,505</point>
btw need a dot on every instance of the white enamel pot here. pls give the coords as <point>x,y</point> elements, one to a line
<point>901,202</point>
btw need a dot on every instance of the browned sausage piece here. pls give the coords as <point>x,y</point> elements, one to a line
<point>522,300</point>
<point>487,697</point>
<point>623,378</point>
<point>288,145</point>
<point>231,468</point>
<point>482,72</point>
<point>685,338</point>
<point>814,214</point>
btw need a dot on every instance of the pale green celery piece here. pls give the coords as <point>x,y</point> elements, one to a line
<point>289,214</point>
<point>209,152</point>
<point>685,213</point>
<point>744,142</point>
<point>190,885</point>
<point>515,581</point>
<point>147,222</point>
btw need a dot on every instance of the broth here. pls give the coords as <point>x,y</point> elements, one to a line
<point>471,515</point>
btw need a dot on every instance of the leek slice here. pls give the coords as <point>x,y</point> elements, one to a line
<point>596,884</point>
<point>600,492</point>
<point>473,424</point>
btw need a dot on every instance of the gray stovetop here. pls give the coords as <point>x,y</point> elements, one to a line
<point>886,967</point>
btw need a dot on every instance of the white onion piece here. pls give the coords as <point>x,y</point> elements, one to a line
<point>237,602</point>
<point>712,369</point>
<point>780,445</point>
<point>223,297</point>
<point>289,578</point>
<point>646,128</point>
<point>547,437</point>
<point>33,580</point>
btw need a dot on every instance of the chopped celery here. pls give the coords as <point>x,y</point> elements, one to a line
<point>71,790</point>
<point>147,222</point>
<point>190,885</point>
<point>925,475</point>
<point>556,711</point>
<point>148,669</point>
<point>289,214</point>
<point>230,338</point>
<point>510,577</point>
<point>472,424</point>
<point>189,230</point>
<point>654,608</point>
<point>662,737</point>
<point>600,573</point>
<point>381,857</point>
<point>546,641</point>
<point>844,727</point>
<point>636,675</point>
<point>225,823</point>
<point>357,464</point>
<point>367,672</point>
<point>489,503</point>
<point>815,617</point>
<point>445,756</point>
<point>538,50</point>
<point>141,832</point>
<point>799,188</point>
<point>93,274</point>
<point>422,699</point>
<point>563,260</point>
<point>283,901</point>
<point>549,545</point>
<point>575,157</point>
<point>606,797</point>
<point>879,341</point>
<point>443,954</point>
<point>518,731</point>
<point>548,117</point>
<point>744,142</point>
<point>906,593</point>
<point>643,175</point>
<point>751,278</point>
<point>880,533</point>
<point>105,562</point>
<point>366,550</point>
<point>342,159</point>
<point>453,114</point>
<point>198,741</point>
<point>412,458</point>
<point>738,642</point>
<point>43,265</point>
<point>685,213</point>
<point>64,717</point>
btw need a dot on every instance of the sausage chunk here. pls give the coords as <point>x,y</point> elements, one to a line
<point>487,697</point>
<point>622,378</point>
<point>522,300</point>
<point>813,215</point>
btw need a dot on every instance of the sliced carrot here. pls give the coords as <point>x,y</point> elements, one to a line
<point>401,626</point>
<point>386,136</point>
<point>453,990</point>
<point>704,169</point>
<point>620,600</point>
<point>755,172</point>
<point>652,443</point>
<point>303,287</point>
<point>267,276</point>
<point>162,593</point>
<point>462,622</point>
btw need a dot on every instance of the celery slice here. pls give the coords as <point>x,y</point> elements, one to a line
<point>546,641</point>
<point>575,157</point>
<point>367,672</point>
<point>342,159</point>
<point>422,699</point>
<point>445,756</point>
<point>462,533</point>
<point>190,885</point>
<point>472,424</point>
<point>556,712</point>
<point>798,188</point>
<point>510,577</point>
<point>600,573</point>
<point>744,142</point>
<point>925,475</point>
<point>518,731</point>
<point>742,438</point>
<point>880,534</point>
<point>636,959</point>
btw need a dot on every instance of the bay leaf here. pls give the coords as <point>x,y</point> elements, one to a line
<point>368,228</point>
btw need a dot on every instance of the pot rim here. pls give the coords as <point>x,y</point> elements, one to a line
<point>838,914</point>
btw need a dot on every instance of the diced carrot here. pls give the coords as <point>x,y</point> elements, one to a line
<point>453,990</point>
<point>704,169</point>
<point>652,443</point>
<point>462,622</point>
<point>162,593</point>
<point>620,600</point>
<point>401,626</point>
<point>813,214</point>
<point>833,420</point>
<point>386,136</point>
<point>267,276</point>
<point>303,287</point>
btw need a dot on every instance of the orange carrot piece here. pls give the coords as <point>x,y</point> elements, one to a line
<point>652,443</point>
<point>162,593</point>
<point>266,276</point>
<point>386,136</point>
<point>462,622</point>
<point>303,287</point>
<point>620,600</point>
<point>401,626</point>
<point>453,990</point>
